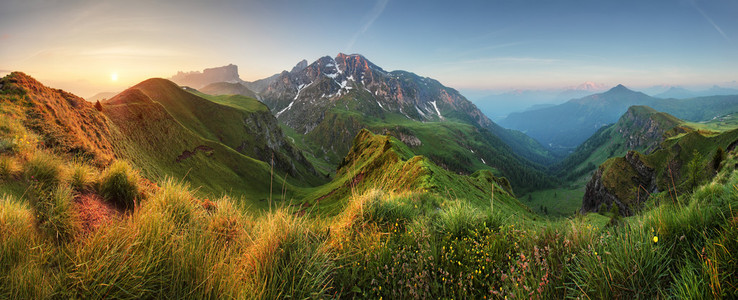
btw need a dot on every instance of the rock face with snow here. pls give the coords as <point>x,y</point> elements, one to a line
<point>301,97</point>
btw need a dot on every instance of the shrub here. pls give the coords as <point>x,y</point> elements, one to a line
<point>119,184</point>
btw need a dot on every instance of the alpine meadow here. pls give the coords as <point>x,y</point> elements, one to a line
<point>368,149</point>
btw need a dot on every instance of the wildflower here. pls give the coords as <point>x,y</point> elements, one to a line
<point>655,239</point>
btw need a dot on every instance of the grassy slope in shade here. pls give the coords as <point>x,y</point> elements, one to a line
<point>152,140</point>
<point>640,129</point>
<point>231,125</point>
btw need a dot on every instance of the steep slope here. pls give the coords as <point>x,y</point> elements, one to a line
<point>227,88</point>
<point>198,79</point>
<point>63,121</point>
<point>160,146</point>
<point>681,163</point>
<point>326,103</point>
<point>641,128</point>
<point>254,133</point>
<point>384,162</point>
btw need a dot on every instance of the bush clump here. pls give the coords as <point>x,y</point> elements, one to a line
<point>119,184</point>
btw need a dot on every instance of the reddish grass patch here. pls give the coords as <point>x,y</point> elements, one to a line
<point>94,211</point>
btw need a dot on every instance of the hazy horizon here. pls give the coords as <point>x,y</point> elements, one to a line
<point>87,47</point>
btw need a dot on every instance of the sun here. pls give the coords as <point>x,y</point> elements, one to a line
<point>114,76</point>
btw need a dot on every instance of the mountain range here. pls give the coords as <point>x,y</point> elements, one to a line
<point>324,104</point>
<point>683,93</point>
<point>565,126</point>
<point>498,106</point>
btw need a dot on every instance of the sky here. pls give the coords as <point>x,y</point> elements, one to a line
<point>90,46</point>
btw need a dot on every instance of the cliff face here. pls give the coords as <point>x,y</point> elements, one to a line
<point>628,181</point>
<point>612,184</point>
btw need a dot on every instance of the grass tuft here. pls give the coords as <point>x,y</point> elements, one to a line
<point>55,214</point>
<point>44,169</point>
<point>82,177</point>
<point>119,184</point>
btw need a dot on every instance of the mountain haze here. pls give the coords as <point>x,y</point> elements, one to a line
<point>567,125</point>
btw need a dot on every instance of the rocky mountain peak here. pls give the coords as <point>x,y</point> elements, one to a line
<point>300,66</point>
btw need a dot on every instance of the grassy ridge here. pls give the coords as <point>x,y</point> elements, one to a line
<point>383,162</point>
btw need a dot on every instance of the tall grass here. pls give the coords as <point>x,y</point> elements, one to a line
<point>288,259</point>
<point>163,250</point>
<point>44,169</point>
<point>55,214</point>
<point>21,273</point>
<point>381,245</point>
<point>8,167</point>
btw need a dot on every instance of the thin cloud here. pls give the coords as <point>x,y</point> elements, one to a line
<point>370,18</point>
<point>719,30</point>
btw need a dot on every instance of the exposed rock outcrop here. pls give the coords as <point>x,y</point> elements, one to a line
<point>625,181</point>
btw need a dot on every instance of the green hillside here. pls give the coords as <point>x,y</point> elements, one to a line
<point>641,129</point>
<point>409,237</point>
<point>246,128</point>
<point>161,147</point>
<point>454,145</point>
<point>385,163</point>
